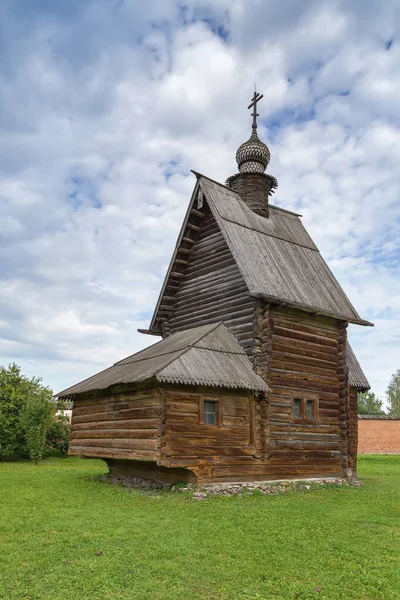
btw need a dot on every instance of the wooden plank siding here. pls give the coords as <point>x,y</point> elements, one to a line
<point>212,289</point>
<point>126,425</point>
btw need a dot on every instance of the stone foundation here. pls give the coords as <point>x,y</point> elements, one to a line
<point>264,487</point>
<point>202,492</point>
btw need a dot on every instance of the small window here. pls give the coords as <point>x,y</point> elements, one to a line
<point>297,408</point>
<point>309,409</point>
<point>304,410</point>
<point>210,412</point>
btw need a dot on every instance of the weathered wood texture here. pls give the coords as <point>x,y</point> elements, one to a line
<point>213,453</point>
<point>212,288</point>
<point>305,357</point>
<point>353,431</point>
<point>126,425</point>
<point>297,355</point>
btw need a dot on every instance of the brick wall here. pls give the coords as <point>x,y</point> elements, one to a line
<point>379,435</point>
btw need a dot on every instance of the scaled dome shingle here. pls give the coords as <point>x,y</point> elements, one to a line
<point>253,156</point>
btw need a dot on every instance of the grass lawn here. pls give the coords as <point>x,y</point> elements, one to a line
<point>66,537</point>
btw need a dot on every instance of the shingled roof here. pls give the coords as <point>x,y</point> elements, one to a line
<point>276,257</point>
<point>207,355</point>
<point>357,378</point>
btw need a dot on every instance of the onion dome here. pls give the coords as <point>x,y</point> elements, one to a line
<point>253,156</point>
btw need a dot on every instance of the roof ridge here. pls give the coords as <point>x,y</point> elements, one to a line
<point>212,327</point>
<point>277,237</point>
<point>291,212</point>
<point>187,348</point>
<point>124,361</point>
<point>242,352</point>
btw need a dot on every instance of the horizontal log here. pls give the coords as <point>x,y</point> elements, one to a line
<point>198,213</point>
<point>192,227</point>
<point>165,308</point>
<point>214,266</point>
<point>300,344</point>
<point>305,430</point>
<point>182,407</point>
<point>304,352</point>
<point>120,443</point>
<point>301,359</point>
<point>220,297</point>
<point>106,434</point>
<point>295,376</point>
<point>183,450</point>
<point>101,452</point>
<point>202,430</point>
<point>188,240</point>
<point>315,329</point>
<point>241,317</point>
<point>286,454</point>
<point>300,387</point>
<point>300,318</point>
<point>132,413</point>
<point>220,277</point>
<point>226,290</point>
<point>295,366</point>
<point>119,424</point>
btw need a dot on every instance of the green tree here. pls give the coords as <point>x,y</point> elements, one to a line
<point>393,394</point>
<point>368,404</point>
<point>36,420</point>
<point>26,414</point>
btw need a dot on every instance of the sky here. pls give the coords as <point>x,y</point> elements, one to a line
<point>106,105</point>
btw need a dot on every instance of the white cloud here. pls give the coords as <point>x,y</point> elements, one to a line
<point>107,106</point>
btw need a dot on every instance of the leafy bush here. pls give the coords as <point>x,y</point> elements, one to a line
<point>36,419</point>
<point>28,425</point>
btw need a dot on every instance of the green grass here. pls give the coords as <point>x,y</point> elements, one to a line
<point>66,537</point>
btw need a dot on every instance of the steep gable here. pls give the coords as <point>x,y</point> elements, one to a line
<point>227,255</point>
<point>204,284</point>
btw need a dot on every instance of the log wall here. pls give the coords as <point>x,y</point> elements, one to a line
<point>210,451</point>
<point>306,358</point>
<point>212,288</point>
<point>257,438</point>
<point>126,425</point>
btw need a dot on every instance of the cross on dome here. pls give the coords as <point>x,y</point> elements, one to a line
<point>256,98</point>
<point>253,156</point>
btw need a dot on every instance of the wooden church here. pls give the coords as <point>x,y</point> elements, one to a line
<point>253,378</point>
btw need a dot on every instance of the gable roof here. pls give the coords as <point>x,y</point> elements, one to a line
<point>357,378</point>
<point>276,256</point>
<point>207,355</point>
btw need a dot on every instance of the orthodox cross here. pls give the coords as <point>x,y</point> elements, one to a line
<point>256,98</point>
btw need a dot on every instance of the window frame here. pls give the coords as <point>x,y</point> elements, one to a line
<point>303,419</point>
<point>218,411</point>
